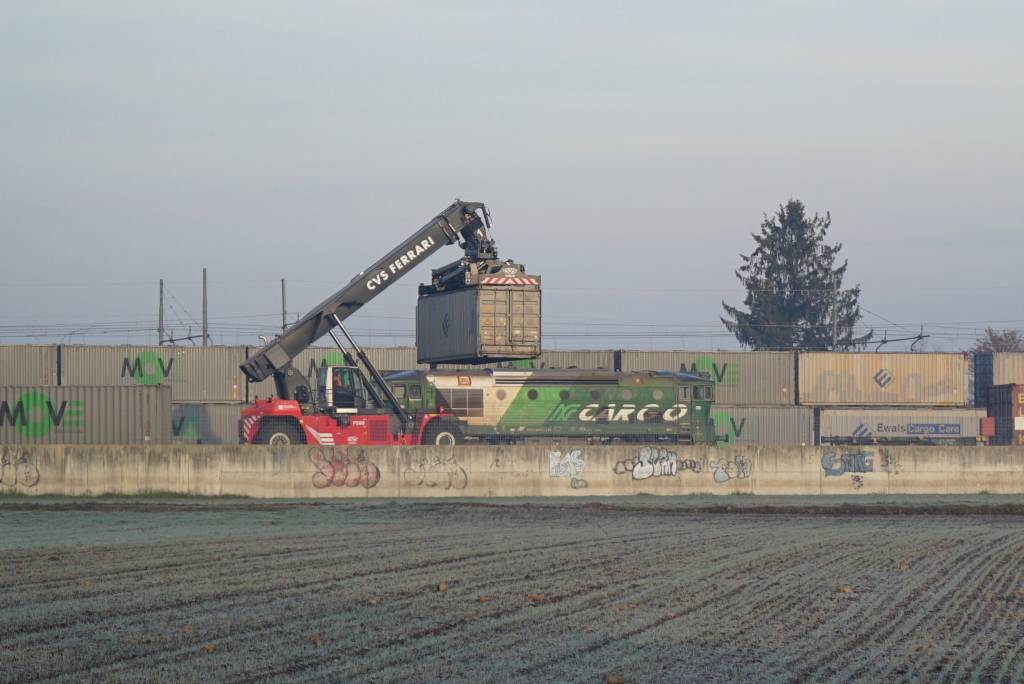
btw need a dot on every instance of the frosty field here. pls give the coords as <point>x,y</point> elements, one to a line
<point>654,589</point>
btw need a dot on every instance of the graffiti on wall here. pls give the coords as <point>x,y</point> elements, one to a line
<point>656,462</point>
<point>570,464</point>
<point>839,463</point>
<point>891,463</point>
<point>436,470</point>
<point>736,469</point>
<point>351,469</point>
<point>16,470</point>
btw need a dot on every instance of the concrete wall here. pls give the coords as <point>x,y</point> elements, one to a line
<point>478,471</point>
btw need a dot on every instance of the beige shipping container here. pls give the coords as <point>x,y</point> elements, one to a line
<point>883,379</point>
<point>1000,368</point>
<point>193,373</point>
<point>485,323</point>
<point>741,378</point>
<point>85,415</point>
<point>900,426</point>
<point>28,364</point>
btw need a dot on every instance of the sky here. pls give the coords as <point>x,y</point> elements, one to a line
<point>626,151</point>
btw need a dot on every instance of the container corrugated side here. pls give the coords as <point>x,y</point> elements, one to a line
<point>485,323</point>
<point>205,423</point>
<point>899,425</point>
<point>28,364</point>
<point>308,360</point>
<point>577,359</point>
<point>741,378</point>
<point>1006,405</point>
<point>883,379</point>
<point>85,415</point>
<point>1007,368</point>
<point>982,378</point>
<point>792,425</point>
<point>193,373</point>
<point>999,368</point>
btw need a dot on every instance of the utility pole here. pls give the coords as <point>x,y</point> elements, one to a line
<point>206,323</point>
<point>160,317</point>
<point>284,308</point>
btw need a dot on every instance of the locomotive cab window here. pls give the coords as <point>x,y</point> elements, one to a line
<point>415,392</point>
<point>399,391</point>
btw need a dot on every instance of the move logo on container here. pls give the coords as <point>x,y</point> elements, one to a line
<point>726,427</point>
<point>186,428</point>
<point>35,414</point>
<point>147,369</point>
<point>726,374</point>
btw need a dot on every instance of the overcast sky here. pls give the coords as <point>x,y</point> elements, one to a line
<point>626,152</point>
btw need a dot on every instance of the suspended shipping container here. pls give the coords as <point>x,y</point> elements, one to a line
<point>900,426</point>
<point>28,364</point>
<point>883,379</point>
<point>479,324</point>
<point>205,423</point>
<point>1001,368</point>
<point>193,373</point>
<point>1006,405</point>
<point>792,425</point>
<point>85,415</point>
<point>741,378</point>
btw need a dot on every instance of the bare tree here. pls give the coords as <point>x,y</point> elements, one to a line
<point>999,341</point>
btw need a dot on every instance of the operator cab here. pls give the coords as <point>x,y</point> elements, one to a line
<point>340,389</point>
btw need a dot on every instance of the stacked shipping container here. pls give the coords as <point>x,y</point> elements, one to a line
<point>1002,368</point>
<point>762,397</point>
<point>889,398</point>
<point>85,415</point>
<point>883,379</point>
<point>1006,405</point>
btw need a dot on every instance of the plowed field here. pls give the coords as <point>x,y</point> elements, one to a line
<point>524,591</point>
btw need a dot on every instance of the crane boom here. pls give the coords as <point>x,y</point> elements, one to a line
<point>463,222</point>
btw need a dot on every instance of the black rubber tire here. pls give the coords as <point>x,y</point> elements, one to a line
<point>279,433</point>
<point>443,433</point>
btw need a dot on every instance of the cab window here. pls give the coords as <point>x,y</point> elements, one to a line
<point>399,391</point>
<point>415,392</point>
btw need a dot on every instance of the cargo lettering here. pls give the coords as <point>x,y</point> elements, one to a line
<point>614,413</point>
<point>398,264</point>
<point>148,369</point>
<point>35,415</point>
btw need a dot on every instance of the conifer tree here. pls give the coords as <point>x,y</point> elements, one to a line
<point>795,296</point>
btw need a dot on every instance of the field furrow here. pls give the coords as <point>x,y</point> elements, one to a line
<point>462,591</point>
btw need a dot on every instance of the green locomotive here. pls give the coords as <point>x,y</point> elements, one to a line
<point>592,405</point>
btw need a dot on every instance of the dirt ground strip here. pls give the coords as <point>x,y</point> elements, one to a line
<point>657,590</point>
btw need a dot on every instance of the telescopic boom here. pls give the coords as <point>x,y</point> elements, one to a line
<point>463,222</point>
